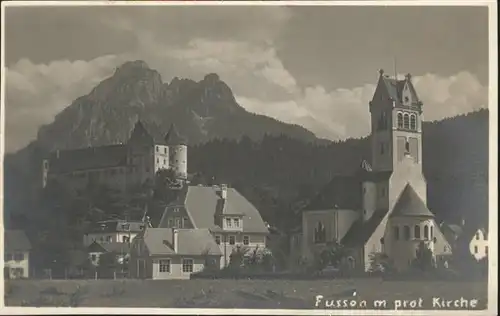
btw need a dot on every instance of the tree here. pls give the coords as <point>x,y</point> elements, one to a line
<point>334,253</point>
<point>236,258</point>
<point>424,259</point>
<point>380,262</point>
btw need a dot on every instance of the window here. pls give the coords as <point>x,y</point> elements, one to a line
<point>407,99</point>
<point>165,150</point>
<point>417,232</point>
<point>407,147</point>
<point>170,223</point>
<point>475,249</point>
<point>236,222</point>
<point>164,266</point>
<point>157,148</point>
<point>126,239</point>
<point>19,256</point>
<point>400,120</point>
<point>228,222</point>
<point>382,240</point>
<point>187,265</point>
<point>432,232</point>
<point>396,233</point>
<point>477,236</point>
<point>157,160</point>
<point>217,239</point>
<point>177,222</point>
<point>407,232</point>
<point>186,222</point>
<point>319,233</point>
<point>232,240</point>
<point>426,232</point>
<point>246,240</point>
<point>109,238</point>
<point>94,257</point>
<point>406,121</point>
<point>125,226</point>
<point>413,122</point>
<point>176,210</point>
<point>486,250</point>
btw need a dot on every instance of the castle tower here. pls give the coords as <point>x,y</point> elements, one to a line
<point>177,151</point>
<point>396,121</point>
<point>140,158</point>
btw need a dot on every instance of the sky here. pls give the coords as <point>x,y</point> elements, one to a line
<point>315,66</point>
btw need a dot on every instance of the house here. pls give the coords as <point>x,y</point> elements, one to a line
<point>379,208</point>
<point>478,245</point>
<point>119,249</point>
<point>230,218</point>
<point>171,253</point>
<point>112,231</point>
<point>120,167</point>
<point>16,254</point>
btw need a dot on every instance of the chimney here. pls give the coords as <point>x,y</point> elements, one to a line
<point>175,239</point>
<point>223,191</point>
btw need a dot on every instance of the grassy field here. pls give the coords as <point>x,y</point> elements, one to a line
<point>230,293</point>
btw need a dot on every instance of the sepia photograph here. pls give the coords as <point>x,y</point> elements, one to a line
<point>241,157</point>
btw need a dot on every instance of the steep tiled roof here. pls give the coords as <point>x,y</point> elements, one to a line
<point>159,241</point>
<point>361,231</point>
<point>174,138</point>
<point>16,240</point>
<point>113,226</point>
<point>202,203</point>
<point>115,247</point>
<point>64,161</point>
<point>345,192</point>
<point>410,204</point>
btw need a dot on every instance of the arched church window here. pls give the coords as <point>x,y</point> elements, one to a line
<point>432,232</point>
<point>396,233</point>
<point>407,232</point>
<point>400,120</point>
<point>417,232</point>
<point>426,232</point>
<point>382,240</point>
<point>407,147</point>
<point>406,121</point>
<point>413,122</point>
<point>319,233</point>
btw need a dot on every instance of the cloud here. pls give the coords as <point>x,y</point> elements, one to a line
<point>254,71</point>
<point>35,93</point>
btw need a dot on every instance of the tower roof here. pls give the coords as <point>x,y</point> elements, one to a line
<point>174,138</point>
<point>395,87</point>
<point>410,204</point>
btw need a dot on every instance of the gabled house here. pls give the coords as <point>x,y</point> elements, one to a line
<point>230,218</point>
<point>478,245</point>
<point>119,250</point>
<point>17,249</point>
<point>171,253</point>
<point>112,231</point>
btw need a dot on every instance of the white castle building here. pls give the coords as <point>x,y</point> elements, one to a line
<point>381,208</point>
<point>120,166</point>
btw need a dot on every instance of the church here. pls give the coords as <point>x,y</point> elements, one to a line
<point>382,207</point>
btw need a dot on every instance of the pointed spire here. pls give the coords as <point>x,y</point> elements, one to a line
<point>173,137</point>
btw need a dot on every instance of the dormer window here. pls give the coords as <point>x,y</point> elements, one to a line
<point>228,222</point>
<point>236,222</point>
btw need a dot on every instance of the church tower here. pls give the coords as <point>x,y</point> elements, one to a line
<point>396,124</point>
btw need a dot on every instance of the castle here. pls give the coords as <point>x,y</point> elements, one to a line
<point>381,208</point>
<point>120,166</point>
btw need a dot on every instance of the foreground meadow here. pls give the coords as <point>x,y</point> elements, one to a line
<point>287,294</point>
